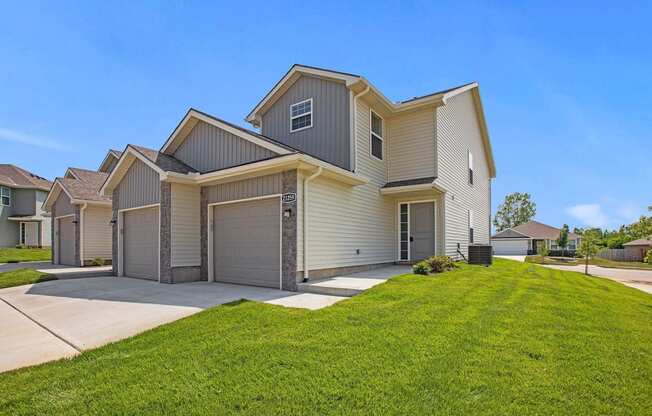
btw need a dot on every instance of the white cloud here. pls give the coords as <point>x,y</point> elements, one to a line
<point>590,215</point>
<point>22,138</point>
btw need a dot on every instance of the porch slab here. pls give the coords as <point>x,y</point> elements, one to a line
<point>354,283</point>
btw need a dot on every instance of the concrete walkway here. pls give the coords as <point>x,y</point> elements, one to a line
<point>638,279</point>
<point>60,271</point>
<point>61,318</point>
<point>354,283</point>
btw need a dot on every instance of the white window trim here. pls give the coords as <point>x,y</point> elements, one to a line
<point>302,115</point>
<point>372,134</point>
<point>2,195</point>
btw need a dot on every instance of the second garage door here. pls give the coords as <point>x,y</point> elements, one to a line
<point>247,243</point>
<point>140,243</point>
<point>66,241</point>
<point>509,247</point>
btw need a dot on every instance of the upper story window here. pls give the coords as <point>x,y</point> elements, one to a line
<point>301,115</point>
<point>470,227</point>
<point>376,136</point>
<point>5,196</point>
<point>470,158</point>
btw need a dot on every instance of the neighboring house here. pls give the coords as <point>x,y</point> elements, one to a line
<point>526,238</point>
<point>81,226</point>
<point>340,179</point>
<point>637,249</point>
<point>22,219</point>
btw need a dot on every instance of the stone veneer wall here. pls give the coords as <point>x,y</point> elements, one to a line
<point>53,222</point>
<point>203,218</point>
<point>114,232</point>
<point>165,226</point>
<point>289,234</point>
<point>77,224</point>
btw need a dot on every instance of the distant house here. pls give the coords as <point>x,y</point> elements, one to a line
<point>22,219</point>
<point>637,249</point>
<point>525,239</point>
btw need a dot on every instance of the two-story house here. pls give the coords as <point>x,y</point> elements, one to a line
<point>22,218</point>
<point>81,216</point>
<point>339,179</point>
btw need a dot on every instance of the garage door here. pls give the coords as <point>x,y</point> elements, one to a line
<point>66,241</point>
<point>509,247</point>
<point>140,243</point>
<point>246,243</point>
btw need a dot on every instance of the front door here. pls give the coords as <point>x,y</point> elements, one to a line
<point>422,230</point>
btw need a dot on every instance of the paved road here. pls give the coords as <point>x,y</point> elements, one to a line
<point>61,318</point>
<point>639,279</point>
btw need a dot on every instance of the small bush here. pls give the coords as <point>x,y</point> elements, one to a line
<point>440,264</point>
<point>20,246</point>
<point>98,261</point>
<point>648,257</point>
<point>421,268</point>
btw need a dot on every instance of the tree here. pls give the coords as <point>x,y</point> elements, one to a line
<point>517,209</point>
<point>562,241</point>
<point>589,247</point>
<point>542,250</point>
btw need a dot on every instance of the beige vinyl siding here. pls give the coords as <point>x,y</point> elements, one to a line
<point>458,132</point>
<point>185,225</point>
<point>46,224</point>
<point>209,148</point>
<point>248,188</point>
<point>97,232</point>
<point>62,205</point>
<point>343,219</point>
<point>411,145</point>
<point>140,186</point>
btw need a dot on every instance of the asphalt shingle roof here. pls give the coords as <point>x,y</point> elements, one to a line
<point>15,177</point>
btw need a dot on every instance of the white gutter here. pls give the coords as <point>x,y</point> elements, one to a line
<point>353,126</point>
<point>81,234</point>
<point>305,221</point>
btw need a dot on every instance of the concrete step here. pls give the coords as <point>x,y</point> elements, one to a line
<point>322,287</point>
<point>77,272</point>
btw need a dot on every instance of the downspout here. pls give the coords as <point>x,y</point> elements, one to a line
<point>305,221</point>
<point>81,234</point>
<point>353,125</point>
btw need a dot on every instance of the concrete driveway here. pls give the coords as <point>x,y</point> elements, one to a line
<point>61,318</point>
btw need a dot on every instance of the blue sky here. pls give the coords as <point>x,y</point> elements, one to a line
<point>566,88</point>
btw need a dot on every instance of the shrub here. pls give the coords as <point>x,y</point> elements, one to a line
<point>440,264</point>
<point>20,246</point>
<point>98,261</point>
<point>648,257</point>
<point>421,268</point>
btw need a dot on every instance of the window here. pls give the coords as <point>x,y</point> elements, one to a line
<point>5,196</point>
<point>470,227</point>
<point>470,159</point>
<point>571,245</point>
<point>22,233</point>
<point>553,245</point>
<point>404,221</point>
<point>301,115</point>
<point>376,136</point>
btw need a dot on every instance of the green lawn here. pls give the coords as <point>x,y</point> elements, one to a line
<point>21,277</point>
<point>597,261</point>
<point>15,255</point>
<point>514,338</point>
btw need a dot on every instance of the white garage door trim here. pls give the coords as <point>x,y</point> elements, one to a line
<point>502,240</point>
<point>209,226</point>
<point>55,243</point>
<point>121,236</point>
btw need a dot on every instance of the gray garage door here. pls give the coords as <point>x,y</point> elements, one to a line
<point>66,241</point>
<point>246,243</point>
<point>140,243</point>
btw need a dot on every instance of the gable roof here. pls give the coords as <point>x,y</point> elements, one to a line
<point>359,85</point>
<point>509,233</point>
<point>159,162</point>
<point>15,177</point>
<point>112,154</point>
<point>193,116</point>
<point>640,242</point>
<point>540,230</point>
<point>86,190</point>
